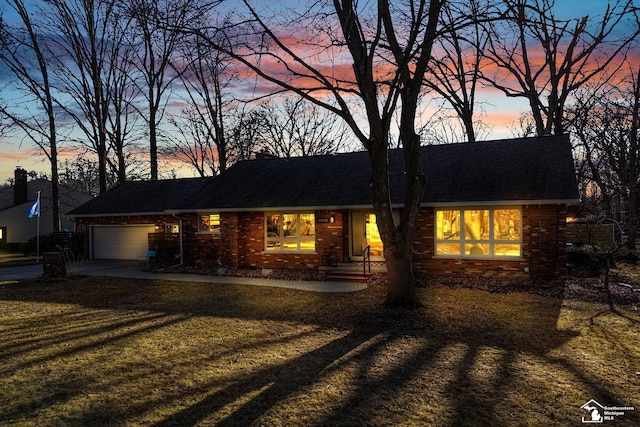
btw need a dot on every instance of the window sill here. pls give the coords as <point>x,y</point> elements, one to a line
<point>291,252</point>
<point>480,258</point>
<point>208,232</point>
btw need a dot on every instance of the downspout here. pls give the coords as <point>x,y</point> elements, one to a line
<point>181,254</point>
<point>180,238</point>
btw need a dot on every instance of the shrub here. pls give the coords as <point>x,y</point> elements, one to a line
<point>10,247</point>
<point>47,244</point>
<point>585,261</point>
<point>627,255</point>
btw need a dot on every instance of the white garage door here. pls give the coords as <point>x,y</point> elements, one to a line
<point>121,242</point>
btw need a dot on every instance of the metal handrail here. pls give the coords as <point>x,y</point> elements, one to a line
<point>366,259</point>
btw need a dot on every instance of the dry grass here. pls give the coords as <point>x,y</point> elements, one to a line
<point>96,351</point>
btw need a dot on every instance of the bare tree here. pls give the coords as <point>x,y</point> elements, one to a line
<point>122,121</point>
<point>25,54</point>
<point>81,61</point>
<point>454,72</point>
<point>208,81</point>
<point>607,126</point>
<point>390,47</point>
<point>544,59</point>
<point>191,142</point>
<point>156,37</point>
<point>245,128</point>
<point>81,174</point>
<point>93,70</point>
<point>295,127</point>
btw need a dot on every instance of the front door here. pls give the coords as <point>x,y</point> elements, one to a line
<point>364,232</point>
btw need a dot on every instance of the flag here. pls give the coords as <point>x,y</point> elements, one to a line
<point>35,208</point>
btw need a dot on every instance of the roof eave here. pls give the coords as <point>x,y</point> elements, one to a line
<point>96,215</point>
<point>503,202</point>
<point>370,206</point>
<point>271,209</point>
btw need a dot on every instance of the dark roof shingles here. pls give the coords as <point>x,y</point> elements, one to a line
<point>140,197</point>
<point>533,169</point>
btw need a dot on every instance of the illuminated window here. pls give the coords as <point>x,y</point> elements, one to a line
<point>171,228</point>
<point>3,234</point>
<point>479,232</point>
<point>210,223</point>
<point>290,232</point>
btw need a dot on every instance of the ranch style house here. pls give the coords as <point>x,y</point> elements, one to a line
<point>494,208</point>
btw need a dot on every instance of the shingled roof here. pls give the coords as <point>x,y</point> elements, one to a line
<point>140,197</point>
<point>515,171</point>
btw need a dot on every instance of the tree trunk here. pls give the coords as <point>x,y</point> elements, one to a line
<point>55,190</point>
<point>401,291</point>
<point>102,162</point>
<point>632,219</point>
<point>468,127</point>
<point>153,144</point>
<point>122,166</point>
<point>397,240</point>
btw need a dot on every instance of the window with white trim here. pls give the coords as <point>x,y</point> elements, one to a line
<point>209,223</point>
<point>288,232</point>
<point>482,233</point>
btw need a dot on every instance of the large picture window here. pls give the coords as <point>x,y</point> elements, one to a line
<point>290,232</point>
<point>484,233</point>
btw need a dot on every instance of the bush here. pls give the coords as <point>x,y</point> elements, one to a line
<point>628,255</point>
<point>10,247</point>
<point>585,261</point>
<point>47,244</point>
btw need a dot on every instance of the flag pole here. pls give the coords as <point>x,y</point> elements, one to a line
<point>35,210</point>
<point>38,233</point>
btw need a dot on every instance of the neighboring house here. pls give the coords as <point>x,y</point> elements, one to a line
<point>495,208</point>
<point>16,202</point>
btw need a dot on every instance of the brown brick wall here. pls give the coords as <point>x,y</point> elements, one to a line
<point>240,243</point>
<point>544,248</point>
<point>545,240</point>
<point>243,241</point>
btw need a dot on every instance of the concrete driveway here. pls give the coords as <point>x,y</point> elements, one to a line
<point>130,270</point>
<point>20,272</point>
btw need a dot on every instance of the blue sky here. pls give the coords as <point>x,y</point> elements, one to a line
<point>498,111</point>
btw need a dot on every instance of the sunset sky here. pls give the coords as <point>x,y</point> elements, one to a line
<point>499,112</point>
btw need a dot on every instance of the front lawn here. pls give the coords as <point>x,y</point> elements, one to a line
<point>99,351</point>
<point>10,259</point>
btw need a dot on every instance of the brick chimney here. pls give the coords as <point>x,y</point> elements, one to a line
<point>265,154</point>
<point>20,194</point>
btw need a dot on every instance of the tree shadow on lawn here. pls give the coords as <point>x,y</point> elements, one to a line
<point>454,362</point>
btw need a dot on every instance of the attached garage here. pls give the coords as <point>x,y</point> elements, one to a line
<point>120,241</point>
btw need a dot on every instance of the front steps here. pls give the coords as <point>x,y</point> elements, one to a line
<point>353,272</point>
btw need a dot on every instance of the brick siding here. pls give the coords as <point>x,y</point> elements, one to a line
<point>240,243</point>
<point>543,248</point>
<point>243,242</point>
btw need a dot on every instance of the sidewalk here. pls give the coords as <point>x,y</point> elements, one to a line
<point>129,269</point>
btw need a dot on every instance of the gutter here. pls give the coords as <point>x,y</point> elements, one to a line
<point>174,212</point>
<point>112,214</point>
<point>370,206</point>
<point>181,242</point>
